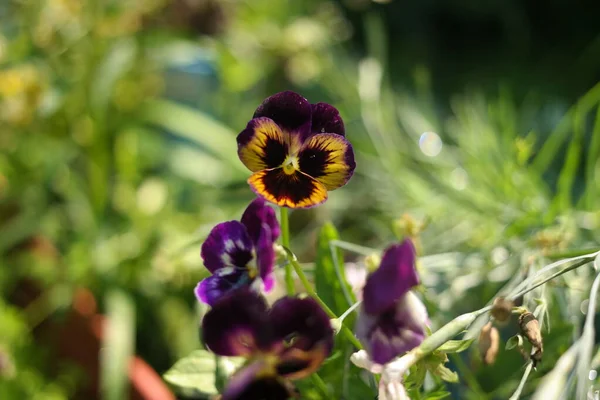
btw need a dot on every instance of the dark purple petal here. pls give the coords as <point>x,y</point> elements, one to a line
<point>223,282</point>
<point>238,325</point>
<point>395,276</point>
<point>257,214</point>
<point>303,320</point>
<point>265,258</point>
<point>305,330</point>
<point>227,245</point>
<point>394,332</point>
<point>326,119</point>
<point>256,381</point>
<point>290,111</point>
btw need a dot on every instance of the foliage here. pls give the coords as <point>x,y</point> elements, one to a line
<point>117,156</point>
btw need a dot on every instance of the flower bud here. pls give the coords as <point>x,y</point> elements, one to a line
<point>502,309</point>
<point>489,342</point>
<point>336,325</point>
<point>372,262</point>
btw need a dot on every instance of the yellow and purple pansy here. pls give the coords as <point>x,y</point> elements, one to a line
<point>296,150</point>
<point>392,319</point>
<point>286,342</point>
<point>240,254</point>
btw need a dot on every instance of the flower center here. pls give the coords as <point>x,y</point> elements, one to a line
<point>290,165</point>
<point>252,268</point>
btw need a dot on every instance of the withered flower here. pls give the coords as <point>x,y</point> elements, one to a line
<point>489,343</point>
<point>502,309</point>
<point>530,328</point>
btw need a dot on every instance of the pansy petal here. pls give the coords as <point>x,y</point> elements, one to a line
<point>261,145</point>
<point>298,364</point>
<point>257,214</point>
<point>227,245</point>
<point>302,319</point>
<point>268,283</point>
<point>305,329</point>
<point>295,190</point>
<point>265,256</point>
<point>256,382</point>
<point>290,111</point>
<point>329,158</point>
<point>393,332</point>
<point>237,325</point>
<point>395,276</point>
<point>224,281</point>
<point>326,119</point>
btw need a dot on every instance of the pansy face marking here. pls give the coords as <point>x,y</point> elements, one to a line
<point>297,151</point>
<point>286,342</point>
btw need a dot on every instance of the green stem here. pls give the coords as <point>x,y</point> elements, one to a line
<point>556,274</point>
<point>318,381</point>
<point>311,291</point>
<point>285,242</point>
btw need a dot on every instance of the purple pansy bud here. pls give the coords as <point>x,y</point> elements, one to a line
<point>392,319</point>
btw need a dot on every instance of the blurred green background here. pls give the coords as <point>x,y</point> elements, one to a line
<point>118,155</point>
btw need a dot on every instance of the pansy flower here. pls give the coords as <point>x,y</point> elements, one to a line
<point>392,319</point>
<point>296,150</point>
<point>286,342</point>
<point>240,253</point>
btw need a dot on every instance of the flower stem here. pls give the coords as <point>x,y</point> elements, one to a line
<point>546,280</point>
<point>318,382</point>
<point>349,310</point>
<point>285,241</point>
<point>311,291</point>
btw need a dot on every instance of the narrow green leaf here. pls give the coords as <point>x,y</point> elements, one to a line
<point>593,157</point>
<point>437,395</point>
<point>329,285</point>
<point>566,179</point>
<point>118,346</point>
<point>455,346</point>
<point>211,135</point>
<point>556,139</point>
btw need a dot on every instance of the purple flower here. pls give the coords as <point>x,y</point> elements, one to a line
<point>286,342</point>
<point>240,254</point>
<point>392,319</point>
<point>296,151</point>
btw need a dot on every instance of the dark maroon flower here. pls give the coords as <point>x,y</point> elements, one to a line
<point>296,150</point>
<point>286,342</point>
<point>392,319</point>
<point>240,254</point>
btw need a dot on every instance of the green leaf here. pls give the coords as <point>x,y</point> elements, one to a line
<point>437,395</point>
<point>446,374</point>
<point>212,136</point>
<point>456,346</point>
<point>515,341</point>
<point>416,377</point>
<point>329,285</point>
<point>196,372</point>
<point>117,345</point>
